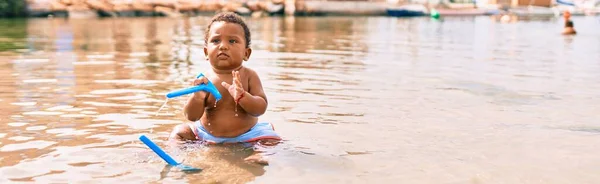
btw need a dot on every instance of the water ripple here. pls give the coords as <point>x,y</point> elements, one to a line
<point>462,96</point>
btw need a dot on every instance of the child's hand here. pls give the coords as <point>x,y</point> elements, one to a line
<point>199,81</point>
<point>235,89</point>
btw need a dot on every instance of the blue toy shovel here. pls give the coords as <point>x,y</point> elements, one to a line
<point>209,87</point>
<point>166,157</point>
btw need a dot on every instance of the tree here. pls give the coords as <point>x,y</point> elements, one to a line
<point>12,8</point>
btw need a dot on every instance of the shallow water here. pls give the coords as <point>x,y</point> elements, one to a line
<point>357,99</point>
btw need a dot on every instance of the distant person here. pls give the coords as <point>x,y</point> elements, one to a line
<point>235,118</point>
<point>569,27</point>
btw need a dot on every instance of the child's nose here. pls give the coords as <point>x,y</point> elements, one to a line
<point>223,46</point>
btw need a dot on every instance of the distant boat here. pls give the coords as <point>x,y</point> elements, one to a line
<point>565,2</point>
<point>578,8</point>
<point>407,11</point>
<point>466,12</point>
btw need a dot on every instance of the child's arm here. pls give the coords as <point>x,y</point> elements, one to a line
<point>194,108</point>
<point>254,101</point>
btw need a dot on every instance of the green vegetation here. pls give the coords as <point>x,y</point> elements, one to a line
<point>12,8</point>
<point>13,34</point>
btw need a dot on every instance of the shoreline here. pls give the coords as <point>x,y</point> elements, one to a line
<point>256,8</point>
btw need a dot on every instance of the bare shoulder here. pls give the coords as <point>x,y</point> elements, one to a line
<point>254,84</point>
<point>250,72</point>
<point>251,76</point>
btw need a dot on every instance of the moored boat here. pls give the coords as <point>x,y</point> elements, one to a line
<point>407,11</point>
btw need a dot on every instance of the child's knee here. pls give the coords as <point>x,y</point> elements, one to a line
<point>182,132</point>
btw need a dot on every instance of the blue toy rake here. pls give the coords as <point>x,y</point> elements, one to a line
<point>162,154</point>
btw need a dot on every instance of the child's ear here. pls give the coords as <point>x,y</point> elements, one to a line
<point>206,53</point>
<point>247,54</point>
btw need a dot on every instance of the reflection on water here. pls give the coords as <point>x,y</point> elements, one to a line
<point>358,99</point>
<point>12,39</point>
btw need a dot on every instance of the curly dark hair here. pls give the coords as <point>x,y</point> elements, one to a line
<point>229,17</point>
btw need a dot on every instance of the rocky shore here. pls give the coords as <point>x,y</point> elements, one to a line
<point>257,8</point>
<point>171,8</point>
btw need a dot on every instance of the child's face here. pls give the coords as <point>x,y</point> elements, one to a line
<point>226,47</point>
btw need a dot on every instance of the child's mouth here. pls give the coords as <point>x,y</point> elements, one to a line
<point>222,56</point>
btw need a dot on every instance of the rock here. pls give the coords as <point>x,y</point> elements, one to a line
<point>185,7</point>
<point>231,7</point>
<point>188,5</point>
<point>253,5</point>
<point>38,6</point>
<point>193,3</point>
<point>168,11</point>
<point>290,7</point>
<point>274,8</point>
<point>300,5</point>
<point>78,11</point>
<point>66,2</point>
<point>123,7</point>
<point>99,5</point>
<point>57,6</point>
<point>78,8</point>
<point>271,7</point>
<point>83,14</point>
<point>210,6</point>
<point>263,5</point>
<point>77,2</point>
<point>138,6</point>
<point>257,14</point>
<point>243,11</point>
<point>165,3</point>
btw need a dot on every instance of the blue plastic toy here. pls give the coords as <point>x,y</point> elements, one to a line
<point>202,87</point>
<point>162,154</point>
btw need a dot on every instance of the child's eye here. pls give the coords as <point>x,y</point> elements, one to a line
<point>232,41</point>
<point>215,41</point>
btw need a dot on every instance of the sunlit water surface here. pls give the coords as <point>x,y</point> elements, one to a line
<point>357,99</point>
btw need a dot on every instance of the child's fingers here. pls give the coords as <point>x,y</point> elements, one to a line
<point>224,84</point>
<point>201,80</point>
<point>238,83</point>
<point>238,80</point>
<point>234,75</point>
